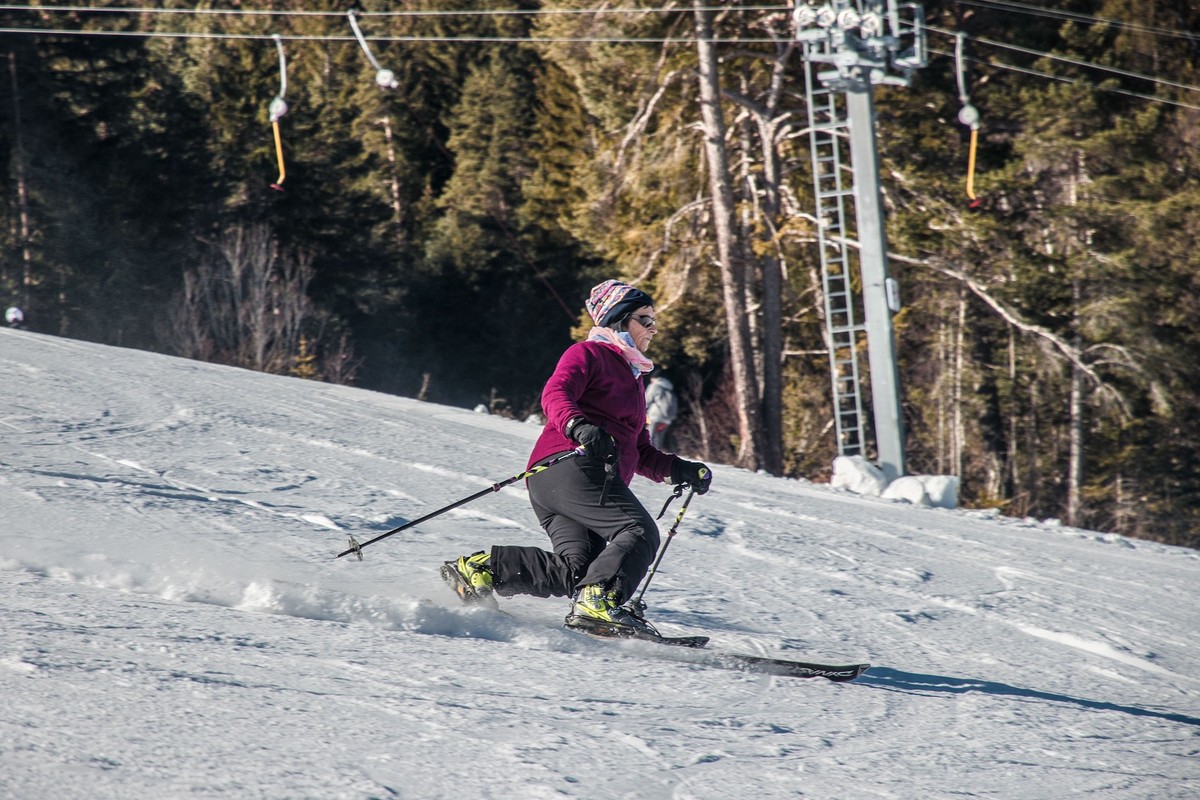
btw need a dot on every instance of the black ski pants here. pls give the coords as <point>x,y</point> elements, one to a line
<point>611,545</point>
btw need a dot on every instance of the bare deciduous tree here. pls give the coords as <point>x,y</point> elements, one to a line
<point>732,261</point>
<point>247,304</point>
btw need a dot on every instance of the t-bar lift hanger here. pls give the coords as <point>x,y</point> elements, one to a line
<point>384,77</point>
<point>276,111</point>
<point>968,116</point>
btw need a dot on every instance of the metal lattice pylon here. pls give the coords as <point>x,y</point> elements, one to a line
<point>857,45</point>
<point>833,187</point>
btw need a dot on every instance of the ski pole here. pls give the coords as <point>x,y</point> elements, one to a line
<point>356,547</point>
<point>637,603</point>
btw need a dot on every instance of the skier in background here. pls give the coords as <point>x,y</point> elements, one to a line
<point>15,318</point>
<point>661,409</point>
<point>603,539</point>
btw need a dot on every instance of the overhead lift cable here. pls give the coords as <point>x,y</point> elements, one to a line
<point>1073,16</point>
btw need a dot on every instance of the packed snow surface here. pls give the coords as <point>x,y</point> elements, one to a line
<point>174,622</point>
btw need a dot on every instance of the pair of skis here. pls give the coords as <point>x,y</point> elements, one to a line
<point>724,660</point>
<point>733,661</point>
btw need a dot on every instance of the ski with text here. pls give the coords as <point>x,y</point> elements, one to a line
<point>733,661</point>
<point>792,669</point>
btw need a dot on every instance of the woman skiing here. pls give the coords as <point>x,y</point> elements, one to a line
<point>603,539</point>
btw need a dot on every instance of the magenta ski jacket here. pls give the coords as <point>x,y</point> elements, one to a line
<point>593,381</point>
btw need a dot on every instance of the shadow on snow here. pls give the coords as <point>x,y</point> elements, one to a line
<point>916,683</point>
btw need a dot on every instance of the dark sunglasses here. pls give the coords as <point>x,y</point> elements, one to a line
<point>645,320</point>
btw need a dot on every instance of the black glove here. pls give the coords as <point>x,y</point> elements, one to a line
<point>598,444</point>
<point>693,473</point>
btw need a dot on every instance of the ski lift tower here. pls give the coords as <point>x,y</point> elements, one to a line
<point>851,46</point>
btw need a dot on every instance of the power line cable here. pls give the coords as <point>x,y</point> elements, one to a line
<point>1071,16</point>
<point>232,12</point>
<point>550,39</point>
<point>496,12</point>
<point>435,13</point>
<point>1068,60</point>
<point>391,38</point>
<point>1077,81</point>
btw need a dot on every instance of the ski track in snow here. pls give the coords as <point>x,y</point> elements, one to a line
<point>175,623</point>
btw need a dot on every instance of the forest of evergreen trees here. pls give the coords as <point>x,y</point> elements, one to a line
<point>436,238</point>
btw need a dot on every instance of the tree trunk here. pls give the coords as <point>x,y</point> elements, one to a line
<point>960,434</point>
<point>1075,403</point>
<point>945,374</point>
<point>24,233</point>
<point>1014,428</point>
<point>1075,438</point>
<point>732,264</point>
<point>772,272</point>
<point>772,346</point>
<point>397,206</point>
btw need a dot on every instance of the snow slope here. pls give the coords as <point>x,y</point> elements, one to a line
<point>173,622</point>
